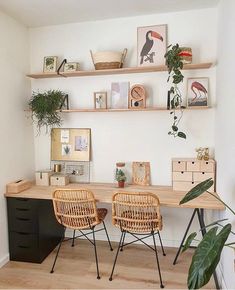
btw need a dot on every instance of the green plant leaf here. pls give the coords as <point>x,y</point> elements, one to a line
<point>181,135</point>
<point>197,190</point>
<point>206,257</point>
<point>174,128</point>
<point>189,241</point>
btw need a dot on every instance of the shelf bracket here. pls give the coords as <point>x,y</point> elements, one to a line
<point>59,68</point>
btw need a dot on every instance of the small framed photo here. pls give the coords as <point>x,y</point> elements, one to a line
<point>71,66</point>
<point>50,64</point>
<point>141,173</point>
<point>119,95</point>
<point>151,45</point>
<point>197,92</point>
<point>100,100</point>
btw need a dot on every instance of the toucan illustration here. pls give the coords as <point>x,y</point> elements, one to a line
<point>148,46</point>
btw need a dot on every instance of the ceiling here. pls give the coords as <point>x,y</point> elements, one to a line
<point>34,13</point>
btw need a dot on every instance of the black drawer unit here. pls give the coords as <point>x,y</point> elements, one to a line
<point>33,229</point>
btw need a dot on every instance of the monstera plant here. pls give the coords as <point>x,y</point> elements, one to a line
<point>174,64</point>
<point>208,252</point>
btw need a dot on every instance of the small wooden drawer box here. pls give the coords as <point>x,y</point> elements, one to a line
<point>43,177</point>
<point>178,165</point>
<point>207,166</point>
<point>59,180</point>
<point>193,165</point>
<point>201,176</point>
<point>182,176</point>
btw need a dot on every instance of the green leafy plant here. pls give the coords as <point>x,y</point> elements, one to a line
<point>45,108</point>
<point>120,175</point>
<point>175,65</point>
<point>208,252</point>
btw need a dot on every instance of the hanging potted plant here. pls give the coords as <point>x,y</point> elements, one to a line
<point>45,108</point>
<point>174,63</point>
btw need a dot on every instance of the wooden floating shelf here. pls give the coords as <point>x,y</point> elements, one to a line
<point>127,70</point>
<point>125,110</point>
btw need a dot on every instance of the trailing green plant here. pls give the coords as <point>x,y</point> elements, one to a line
<point>45,108</point>
<point>208,252</point>
<point>175,65</point>
<point>120,175</point>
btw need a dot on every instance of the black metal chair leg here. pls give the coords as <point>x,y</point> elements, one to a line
<point>57,253</point>
<point>111,249</point>
<point>73,238</point>
<point>163,252</point>
<point>185,234</point>
<point>158,264</point>
<point>96,258</point>
<point>123,241</point>
<point>115,260</point>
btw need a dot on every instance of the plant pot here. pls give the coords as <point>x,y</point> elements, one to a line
<point>121,184</point>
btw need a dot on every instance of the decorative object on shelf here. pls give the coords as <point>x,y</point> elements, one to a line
<point>199,274</point>
<point>50,64</point>
<point>57,168</point>
<point>197,92</point>
<point>188,172</point>
<point>141,173</point>
<point>71,66</point>
<point>108,59</point>
<point>120,175</point>
<point>43,177</point>
<point>70,144</point>
<point>100,100</point>
<point>59,179</point>
<point>175,65</point>
<point>45,107</point>
<point>151,45</point>
<point>186,55</point>
<point>18,186</point>
<point>203,153</point>
<point>119,95</point>
<point>137,97</point>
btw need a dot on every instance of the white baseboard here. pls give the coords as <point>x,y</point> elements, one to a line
<point>4,260</point>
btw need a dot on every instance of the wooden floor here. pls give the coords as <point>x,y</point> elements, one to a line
<point>76,269</point>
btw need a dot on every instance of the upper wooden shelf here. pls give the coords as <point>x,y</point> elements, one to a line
<point>126,70</point>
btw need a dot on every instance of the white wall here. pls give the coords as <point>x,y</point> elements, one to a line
<point>225,124</point>
<point>16,144</point>
<point>130,136</point>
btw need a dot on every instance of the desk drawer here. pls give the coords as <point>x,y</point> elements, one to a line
<point>24,247</point>
<point>183,185</point>
<point>28,205</point>
<point>207,166</point>
<point>179,165</point>
<point>193,165</point>
<point>201,176</point>
<point>182,176</point>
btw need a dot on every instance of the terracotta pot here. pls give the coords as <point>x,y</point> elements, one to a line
<point>121,184</point>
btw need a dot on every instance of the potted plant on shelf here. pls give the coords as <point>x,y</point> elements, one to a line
<point>45,108</point>
<point>120,177</point>
<point>174,63</point>
<point>208,252</point>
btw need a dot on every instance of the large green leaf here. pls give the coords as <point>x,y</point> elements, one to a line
<point>189,241</point>
<point>207,256</point>
<point>197,190</point>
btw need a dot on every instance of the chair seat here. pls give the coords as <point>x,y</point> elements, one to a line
<point>101,212</point>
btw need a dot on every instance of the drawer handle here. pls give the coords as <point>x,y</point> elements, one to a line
<point>23,247</point>
<point>22,199</point>
<point>22,209</point>
<point>178,162</point>
<point>192,182</point>
<point>203,172</point>
<point>23,234</point>
<point>193,162</point>
<point>207,162</point>
<point>182,172</point>
<point>22,219</point>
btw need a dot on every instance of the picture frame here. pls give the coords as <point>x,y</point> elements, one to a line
<point>197,92</point>
<point>120,95</point>
<point>141,173</point>
<point>71,66</point>
<point>151,45</point>
<point>70,144</point>
<point>50,64</point>
<point>100,100</point>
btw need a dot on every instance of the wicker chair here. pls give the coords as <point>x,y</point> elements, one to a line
<point>137,213</point>
<point>76,209</point>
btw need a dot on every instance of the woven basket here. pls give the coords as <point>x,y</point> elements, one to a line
<point>108,59</point>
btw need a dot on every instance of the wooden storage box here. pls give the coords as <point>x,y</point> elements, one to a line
<point>18,186</point>
<point>59,180</point>
<point>43,177</point>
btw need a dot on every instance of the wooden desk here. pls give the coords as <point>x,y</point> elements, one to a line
<point>103,193</point>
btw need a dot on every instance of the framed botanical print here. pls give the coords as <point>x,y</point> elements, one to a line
<point>50,64</point>
<point>100,100</point>
<point>70,144</point>
<point>151,45</point>
<point>141,173</point>
<point>197,92</point>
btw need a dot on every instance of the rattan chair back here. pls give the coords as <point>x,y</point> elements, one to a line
<point>75,209</point>
<point>136,212</point>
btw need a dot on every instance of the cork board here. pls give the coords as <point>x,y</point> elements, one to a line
<point>70,144</point>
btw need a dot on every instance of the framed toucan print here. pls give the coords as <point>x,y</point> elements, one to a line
<point>151,45</point>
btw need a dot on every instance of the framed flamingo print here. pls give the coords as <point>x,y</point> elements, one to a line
<point>197,92</point>
<point>151,45</point>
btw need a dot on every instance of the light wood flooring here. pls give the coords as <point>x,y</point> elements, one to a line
<point>76,269</point>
